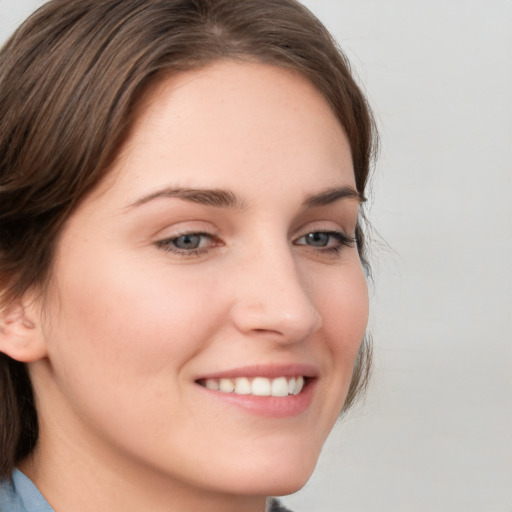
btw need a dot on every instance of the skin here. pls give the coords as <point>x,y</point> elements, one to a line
<point>130,324</point>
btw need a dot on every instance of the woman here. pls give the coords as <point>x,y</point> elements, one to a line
<point>183,300</point>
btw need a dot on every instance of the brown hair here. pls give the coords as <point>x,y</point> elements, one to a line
<point>70,78</point>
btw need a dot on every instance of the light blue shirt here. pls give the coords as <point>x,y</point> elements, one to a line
<point>19,494</point>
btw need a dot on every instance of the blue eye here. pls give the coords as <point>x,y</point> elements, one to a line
<point>329,241</point>
<point>317,239</point>
<point>188,243</point>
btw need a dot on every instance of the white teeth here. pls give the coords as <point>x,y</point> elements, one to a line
<point>291,386</point>
<point>212,384</point>
<point>299,384</point>
<point>259,386</point>
<point>226,385</point>
<point>279,387</point>
<point>243,386</point>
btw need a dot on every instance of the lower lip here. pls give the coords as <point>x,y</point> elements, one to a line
<point>269,406</point>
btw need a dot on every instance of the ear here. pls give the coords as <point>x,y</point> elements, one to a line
<point>20,333</point>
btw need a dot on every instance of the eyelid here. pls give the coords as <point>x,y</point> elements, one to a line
<point>338,241</point>
<point>336,233</point>
<point>184,227</point>
<point>166,243</point>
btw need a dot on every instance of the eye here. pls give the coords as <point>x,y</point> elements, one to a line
<point>188,243</point>
<point>317,239</point>
<point>331,241</point>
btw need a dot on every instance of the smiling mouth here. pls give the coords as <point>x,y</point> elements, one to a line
<point>257,386</point>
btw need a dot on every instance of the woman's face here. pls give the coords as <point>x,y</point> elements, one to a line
<point>218,254</point>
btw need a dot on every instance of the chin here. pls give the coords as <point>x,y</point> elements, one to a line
<point>288,485</point>
<point>277,478</point>
<point>277,464</point>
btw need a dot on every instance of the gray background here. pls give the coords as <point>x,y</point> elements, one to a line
<point>434,433</point>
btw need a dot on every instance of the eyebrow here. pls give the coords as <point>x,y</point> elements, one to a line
<point>210,197</point>
<point>220,198</point>
<point>332,195</point>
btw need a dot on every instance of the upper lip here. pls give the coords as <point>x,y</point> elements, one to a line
<point>268,371</point>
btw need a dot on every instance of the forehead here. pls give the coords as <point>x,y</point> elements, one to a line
<point>233,121</point>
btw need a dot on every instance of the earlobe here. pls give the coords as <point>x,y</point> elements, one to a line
<point>20,335</point>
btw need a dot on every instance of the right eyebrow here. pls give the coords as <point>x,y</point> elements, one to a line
<point>332,195</point>
<point>218,198</point>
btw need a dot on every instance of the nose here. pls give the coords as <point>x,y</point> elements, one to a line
<point>272,298</point>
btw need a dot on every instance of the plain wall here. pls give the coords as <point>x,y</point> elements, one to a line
<point>434,433</point>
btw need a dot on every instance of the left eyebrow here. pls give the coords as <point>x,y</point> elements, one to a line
<point>217,198</point>
<point>332,195</point>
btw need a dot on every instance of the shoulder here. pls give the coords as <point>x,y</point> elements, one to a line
<point>8,496</point>
<point>19,494</point>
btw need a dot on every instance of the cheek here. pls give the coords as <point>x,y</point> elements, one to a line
<point>120,340</point>
<point>344,310</point>
<point>343,303</point>
<point>125,320</point>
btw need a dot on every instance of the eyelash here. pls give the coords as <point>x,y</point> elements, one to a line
<point>168,245</point>
<point>342,239</point>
